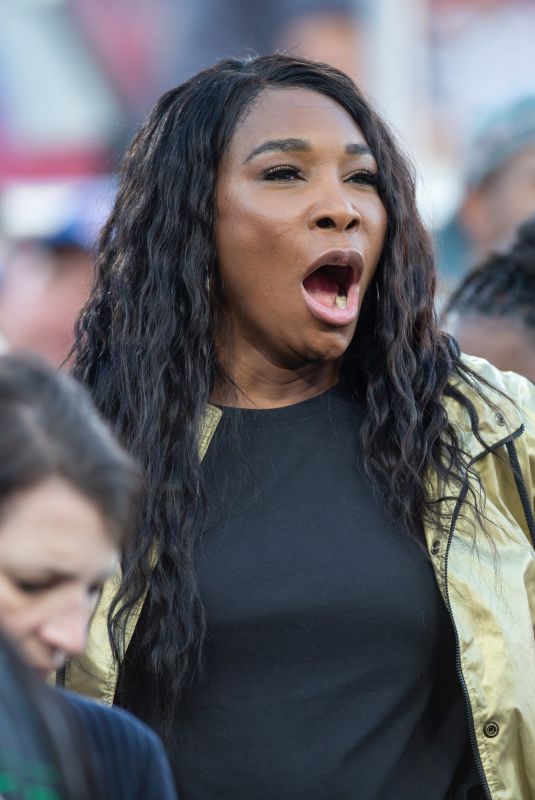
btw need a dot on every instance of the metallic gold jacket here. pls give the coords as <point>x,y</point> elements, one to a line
<point>488,588</point>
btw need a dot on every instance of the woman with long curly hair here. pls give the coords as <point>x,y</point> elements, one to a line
<point>331,590</point>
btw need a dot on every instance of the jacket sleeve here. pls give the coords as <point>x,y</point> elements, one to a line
<point>523,392</point>
<point>524,395</point>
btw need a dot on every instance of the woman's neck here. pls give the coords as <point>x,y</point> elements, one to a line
<point>261,383</point>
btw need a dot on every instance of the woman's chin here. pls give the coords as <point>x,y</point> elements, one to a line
<point>328,345</point>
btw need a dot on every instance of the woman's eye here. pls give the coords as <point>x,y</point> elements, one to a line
<point>364,176</point>
<point>30,587</point>
<point>282,172</point>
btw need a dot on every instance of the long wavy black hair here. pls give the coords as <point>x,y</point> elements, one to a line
<point>145,341</point>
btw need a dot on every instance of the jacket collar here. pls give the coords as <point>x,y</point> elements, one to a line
<point>212,415</point>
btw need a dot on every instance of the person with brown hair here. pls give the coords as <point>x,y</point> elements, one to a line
<point>68,497</point>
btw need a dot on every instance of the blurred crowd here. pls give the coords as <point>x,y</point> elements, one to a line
<point>456,78</point>
<point>466,116</point>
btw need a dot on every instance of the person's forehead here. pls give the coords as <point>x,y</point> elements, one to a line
<point>57,506</point>
<point>281,113</point>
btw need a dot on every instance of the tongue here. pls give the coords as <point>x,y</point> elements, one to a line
<point>322,287</point>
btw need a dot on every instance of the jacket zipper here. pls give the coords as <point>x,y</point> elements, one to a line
<point>454,518</point>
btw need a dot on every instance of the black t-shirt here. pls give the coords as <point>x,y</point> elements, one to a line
<point>330,660</point>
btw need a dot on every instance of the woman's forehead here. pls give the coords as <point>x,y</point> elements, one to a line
<point>286,113</point>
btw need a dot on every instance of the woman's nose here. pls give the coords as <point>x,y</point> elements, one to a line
<point>335,212</point>
<point>66,631</point>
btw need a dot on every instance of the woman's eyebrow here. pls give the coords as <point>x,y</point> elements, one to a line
<point>302,145</point>
<point>52,574</point>
<point>280,145</point>
<point>357,149</point>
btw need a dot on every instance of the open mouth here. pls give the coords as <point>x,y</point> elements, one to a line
<point>331,289</point>
<point>329,285</point>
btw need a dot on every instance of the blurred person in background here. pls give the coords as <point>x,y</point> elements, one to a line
<point>68,496</point>
<point>468,81</point>
<point>332,31</point>
<point>499,192</point>
<point>43,287</point>
<point>492,312</point>
<point>337,502</point>
<point>43,753</point>
<point>47,270</point>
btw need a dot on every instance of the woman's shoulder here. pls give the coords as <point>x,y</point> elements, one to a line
<point>130,752</point>
<point>516,386</point>
<point>492,390</point>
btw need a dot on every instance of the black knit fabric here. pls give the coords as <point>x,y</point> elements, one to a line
<point>329,662</point>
